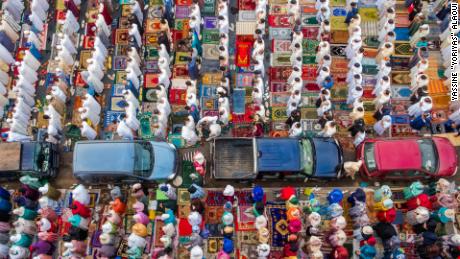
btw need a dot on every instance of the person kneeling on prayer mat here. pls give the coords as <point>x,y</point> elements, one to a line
<point>382,125</point>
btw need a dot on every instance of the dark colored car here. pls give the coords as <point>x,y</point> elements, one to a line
<point>124,161</point>
<point>408,158</point>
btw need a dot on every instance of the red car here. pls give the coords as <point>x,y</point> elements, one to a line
<point>408,158</point>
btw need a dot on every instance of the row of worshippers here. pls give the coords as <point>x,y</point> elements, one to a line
<point>91,109</point>
<point>13,9</point>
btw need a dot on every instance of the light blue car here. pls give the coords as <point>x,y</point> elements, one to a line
<point>124,161</point>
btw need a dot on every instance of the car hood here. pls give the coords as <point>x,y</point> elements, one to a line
<point>165,161</point>
<point>447,157</point>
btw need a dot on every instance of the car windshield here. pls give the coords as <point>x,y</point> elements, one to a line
<point>369,156</point>
<point>308,154</point>
<point>429,157</point>
<point>41,157</point>
<point>143,159</point>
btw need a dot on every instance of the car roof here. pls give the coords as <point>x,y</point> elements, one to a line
<point>400,154</point>
<point>278,154</point>
<point>328,157</point>
<point>112,157</point>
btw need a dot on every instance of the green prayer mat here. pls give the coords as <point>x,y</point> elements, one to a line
<point>210,36</point>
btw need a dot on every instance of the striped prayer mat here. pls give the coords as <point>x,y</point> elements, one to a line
<point>370,28</point>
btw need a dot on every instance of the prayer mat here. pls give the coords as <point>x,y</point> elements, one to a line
<point>151,39</point>
<point>338,24</point>
<point>367,93</point>
<point>276,87</point>
<point>339,65</point>
<point>338,50</point>
<point>403,48</point>
<point>150,80</point>
<point>211,78</point>
<point>247,247</point>
<point>243,53</point>
<point>214,244</point>
<point>278,113</point>
<point>117,104</point>
<point>84,56</point>
<point>155,11</point>
<point>117,90</point>
<point>239,99</point>
<point>370,29</point>
<point>182,25</point>
<point>152,66</point>
<point>308,100</point>
<point>280,73</point>
<point>152,25</point>
<point>402,130</point>
<point>180,71</point>
<point>308,20</point>
<point>277,225</point>
<point>121,37</point>
<point>400,106</point>
<point>183,197</point>
<point>249,5</point>
<point>311,86</point>
<point>339,78</point>
<point>208,103</point>
<point>178,96</point>
<point>183,2</point>
<point>152,53</point>
<point>279,21</point>
<point>280,59</point>
<point>309,46</point>
<point>245,28</point>
<point>210,37</point>
<point>436,86</point>
<point>277,2</point>
<point>370,70</point>
<point>208,91</point>
<point>210,52</point>
<point>179,83</point>
<point>400,119</point>
<point>400,63</point>
<point>246,16</point>
<point>278,9</point>
<point>150,95</point>
<point>182,12</point>
<point>278,126</point>
<point>339,37</point>
<point>402,34</point>
<point>279,98</point>
<point>308,113</point>
<point>88,42</point>
<point>208,8</point>
<point>400,92</point>
<point>244,79</point>
<point>308,9</point>
<point>309,72</point>
<point>339,94</point>
<point>119,63</point>
<point>338,3</point>
<point>372,42</point>
<point>213,214</point>
<point>369,80</point>
<point>400,77</point>
<point>182,58</point>
<point>370,53</point>
<point>110,116</point>
<point>441,101</point>
<point>339,11</point>
<point>310,32</point>
<point>210,23</point>
<point>368,14</point>
<point>280,46</point>
<point>402,20</point>
<point>279,33</point>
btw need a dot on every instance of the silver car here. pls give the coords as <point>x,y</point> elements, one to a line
<point>124,161</point>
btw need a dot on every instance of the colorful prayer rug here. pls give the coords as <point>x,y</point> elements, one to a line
<point>150,80</point>
<point>338,50</point>
<point>368,14</point>
<point>246,218</point>
<point>279,98</point>
<point>400,92</point>
<point>246,16</point>
<point>280,45</point>
<point>244,79</point>
<point>210,37</point>
<point>249,5</point>
<point>400,77</point>
<point>309,72</point>
<point>402,34</point>
<point>276,87</point>
<point>239,101</point>
<point>279,33</point>
<point>182,12</point>
<point>277,224</point>
<point>279,21</point>
<point>309,46</point>
<point>280,59</point>
<point>339,11</point>
<point>243,53</point>
<point>338,24</point>
<point>278,9</point>
<point>278,113</point>
<point>208,8</point>
<point>210,52</point>
<point>280,73</point>
<point>211,78</point>
<point>403,48</point>
<point>339,36</point>
<point>308,20</point>
<point>310,32</point>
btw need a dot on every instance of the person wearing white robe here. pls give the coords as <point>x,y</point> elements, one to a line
<point>87,131</point>
<point>354,93</point>
<point>295,73</point>
<point>131,120</point>
<point>382,99</point>
<point>259,66</point>
<point>27,72</point>
<point>134,32</point>
<point>98,56</point>
<point>92,81</point>
<point>222,24</point>
<point>323,73</point>
<point>17,129</point>
<point>17,137</point>
<point>38,9</point>
<point>323,49</point>
<point>384,70</point>
<point>381,85</point>
<point>29,100</point>
<point>23,83</point>
<point>31,61</point>
<point>357,57</point>
<point>224,116</point>
<point>4,77</point>
<point>164,79</point>
<point>387,27</point>
<point>124,131</point>
<point>214,127</point>
<point>3,102</point>
<point>297,38</point>
<point>130,98</point>
<point>323,14</point>
<point>163,66</point>
<point>419,81</point>
<point>296,52</point>
<point>132,53</point>
<point>58,93</point>
<point>455,116</point>
<point>188,131</point>
<point>131,77</point>
<point>33,39</point>
<point>296,130</point>
<point>382,125</point>
<point>102,25</point>
<point>191,100</point>
<point>36,21</point>
<point>329,130</point>
<point>385,52</point>
<point>261,5</point>
<point>357,113</point>
<point>424,105</point>
<point>159,130</point>
<point>295,98</point>
<point>95,69</point>
<point>324,107</point>
<point>164,107</point>
<point>65,56</point>
<point>224,103</point>
<point>195,24</point>
<point>67,43</point>
<point>353,47</point>
<point>134,66</point>
<point>86,113</point>
<point>297,85</point>
<point>355,69</point>
<point>91,103</point>
<point>259,46</point>
<point>422,31</point>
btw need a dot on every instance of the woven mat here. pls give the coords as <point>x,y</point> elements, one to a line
<point>400,92</point>
<point>368,14</point>
<point>370,28</point>
<point>277,225</point>
<point>403,48</point>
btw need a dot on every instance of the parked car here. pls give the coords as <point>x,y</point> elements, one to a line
<point>250,158</point>
<point>124,161</point>
<point>407,158</point>
<point>35,158</point>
